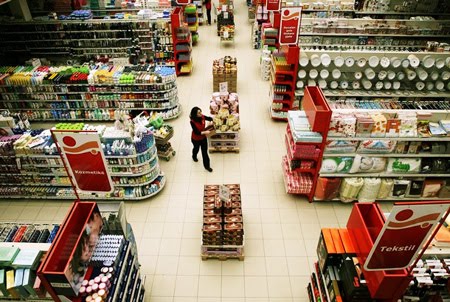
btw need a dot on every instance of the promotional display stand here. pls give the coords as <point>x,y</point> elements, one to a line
<point>344,255</point>
<point>225,70</point>
<point>283,75</point>
<point>182,40</point>
<point>223,225</point>
<point>305,147</point>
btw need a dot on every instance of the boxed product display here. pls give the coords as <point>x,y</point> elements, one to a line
<point>225,70</point>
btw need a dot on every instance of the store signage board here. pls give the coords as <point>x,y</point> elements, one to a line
<point>83,156</point>
<point>273,5</point>
<point>183,2</point>
<point>224,193</point>
<point>290,25</point>
<point>405,232</point>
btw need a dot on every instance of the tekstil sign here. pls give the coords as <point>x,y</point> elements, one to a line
<point>290,25</point>
<point>82,152</point>
<point>403,235</point>
<point>273,5</point>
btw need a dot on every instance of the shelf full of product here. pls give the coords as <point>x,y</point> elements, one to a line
<point>192,20</point>
<point>97,92</point>
<point>225,70</point>
<point>376,73</point>
<point>33,168</point>
<point>223,225</point>
<point>367,32</point>
<point>282,74</point>
<point>106,38</point>
<point>224,108</point>
<point>386,155</point>
<point>183,39</point>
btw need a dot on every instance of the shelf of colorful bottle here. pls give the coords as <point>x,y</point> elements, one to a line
<point>135,174</point>
<point>37,184</point>
<point>371,93</point>
<point>282,71</point>
<point>91,197</point>
<point>274,116</point>
<point>91,92</point>
<point>280,92</point>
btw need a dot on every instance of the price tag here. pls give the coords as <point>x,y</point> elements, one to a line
<point>224,193</point>
<point>225,15</point>
<point>223,87</point>
<point>225,34</point>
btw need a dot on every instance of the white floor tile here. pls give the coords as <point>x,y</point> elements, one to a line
<point>163,286</point>
<point>254,247</point>
<point>173,230</point>
<point>276,266</point>
<point>271,230</point>
<point>186,286</point>
<point>298,266</point>
<point>170,247</point>
<point>233,286</point>
<point>233,268</point>
<point>211,268</point>
<point>256,287</point>
<point>153,230</point>
<point>189,265</point>
<point>210,286</point>
<point>274,248</point>
<point>279,287</point>
<point>167,265</point>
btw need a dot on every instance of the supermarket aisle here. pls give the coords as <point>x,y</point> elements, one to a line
<point>281,231</point>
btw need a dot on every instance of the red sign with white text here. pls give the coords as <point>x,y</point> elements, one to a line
<point>183,2</point>
<point>85,161</point>
<point>403,235</point>
<point>290,25</point>
<point>273,5</point>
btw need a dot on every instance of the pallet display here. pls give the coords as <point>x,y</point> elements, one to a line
<point>223,225</point>
<point>200,12</point>
<point>36,171</point>
<point>224,108</point>
<point>64,40</point>
<point>99,92</point>
<point>305,138</point>
<point>283,75</point>
<point>182,39</point>
<point>225,23</point>
<point>225,70</point>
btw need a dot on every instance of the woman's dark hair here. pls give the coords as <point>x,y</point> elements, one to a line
<point>193,114</point>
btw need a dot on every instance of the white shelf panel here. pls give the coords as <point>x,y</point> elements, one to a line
<point>398,139</point>
<point>384,155</point>
<point>384,94</point>
<point>385,174</point>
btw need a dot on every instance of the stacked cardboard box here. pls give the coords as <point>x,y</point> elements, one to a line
<point>225,70</point>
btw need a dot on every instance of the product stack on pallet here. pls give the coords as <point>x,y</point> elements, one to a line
<point>225,23</point>
<point>225,70</point>
<point>224,108</point>
<point>223,225</point>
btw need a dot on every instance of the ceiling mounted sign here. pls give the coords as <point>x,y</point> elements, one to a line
<point>290,25</point>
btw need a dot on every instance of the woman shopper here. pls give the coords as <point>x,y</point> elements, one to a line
<point>198,137</point>
<point>208,10</point>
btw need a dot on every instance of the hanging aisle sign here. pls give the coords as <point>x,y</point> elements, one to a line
<point>273,5</point>
<point>403,235</point>
<point>290,25</point>
<point>85,162</point>
<point>183,2</point>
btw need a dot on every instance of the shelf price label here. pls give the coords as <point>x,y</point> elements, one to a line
<point>223,86</point>
<point>403,235</point>
<point>290,25</point>
<point>82,154</point>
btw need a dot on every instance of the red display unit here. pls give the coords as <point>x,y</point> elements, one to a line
<point>62,269</point>
<point>364,224</point>
<point>283,77</point>
<point>182,42</point>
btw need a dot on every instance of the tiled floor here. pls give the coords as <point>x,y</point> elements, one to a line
<point>281,230</point>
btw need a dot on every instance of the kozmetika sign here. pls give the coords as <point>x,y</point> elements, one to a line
<point>404,233</point>
<point>83,155</point>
